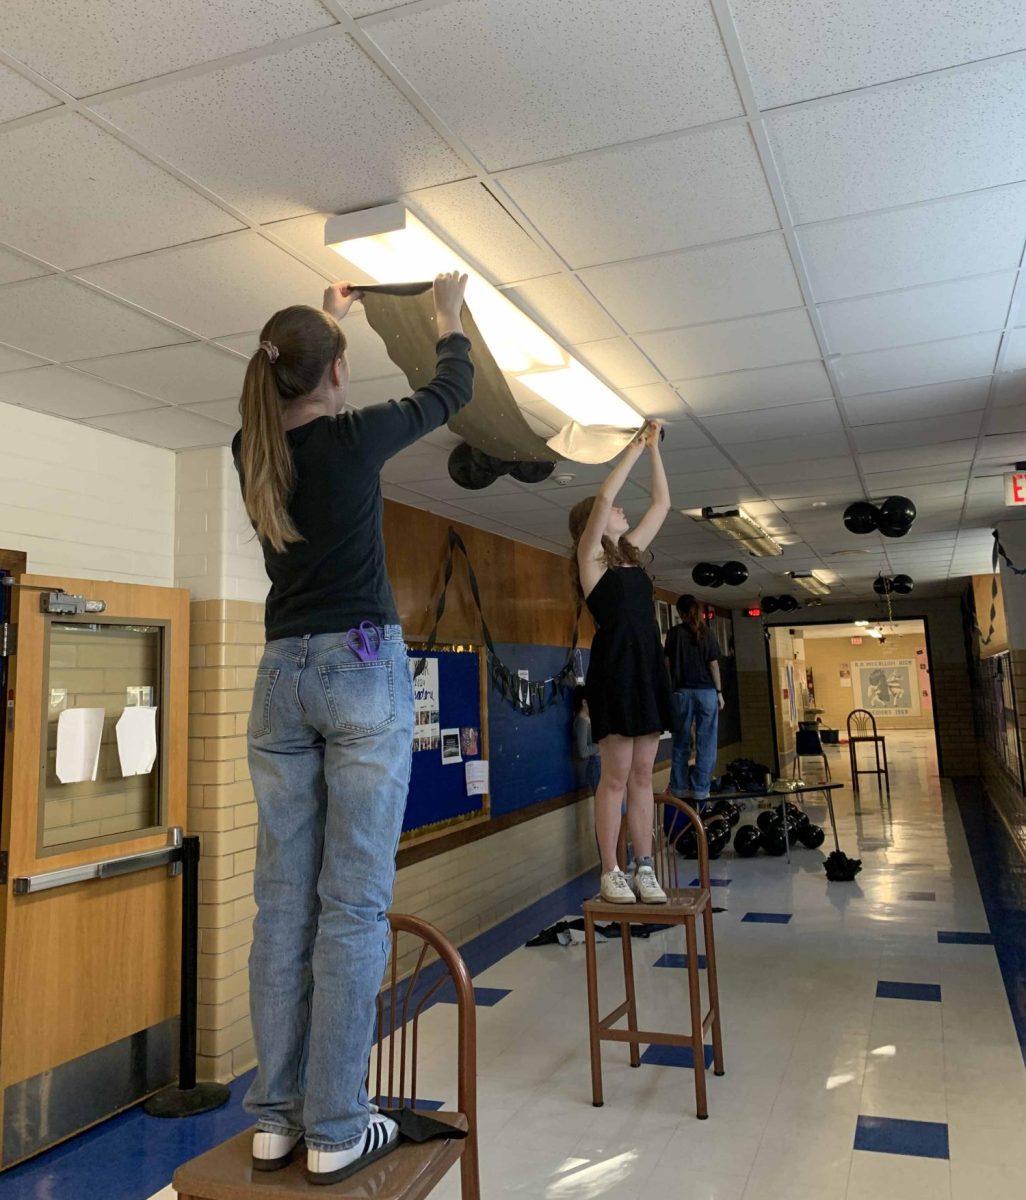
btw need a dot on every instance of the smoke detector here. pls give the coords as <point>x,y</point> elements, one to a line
<point>563,480</point>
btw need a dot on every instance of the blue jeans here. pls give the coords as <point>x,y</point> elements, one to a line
<point>699,707</point>
<point>330,746</point>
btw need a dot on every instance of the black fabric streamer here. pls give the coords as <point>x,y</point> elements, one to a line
<point>998,552</point>
<point>535,698</point>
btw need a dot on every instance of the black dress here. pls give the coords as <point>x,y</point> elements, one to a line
<point>627,685</point>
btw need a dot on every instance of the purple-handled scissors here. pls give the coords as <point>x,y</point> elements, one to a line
<point>365,641</point>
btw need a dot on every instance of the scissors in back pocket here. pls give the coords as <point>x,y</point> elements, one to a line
<point>365,641</point>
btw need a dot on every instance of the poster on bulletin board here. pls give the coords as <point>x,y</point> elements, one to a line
<point>450,727</point>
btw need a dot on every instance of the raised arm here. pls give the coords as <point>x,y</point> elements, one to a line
<point>650,524</point>
<point>589,548</point>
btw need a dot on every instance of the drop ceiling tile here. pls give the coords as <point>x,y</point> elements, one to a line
<point>619,362</point>
<point>226,411</point>
<point>90,325</point>
<point>305,236</point>
<point>891,480</point>
<point>174,428</point>
<point>929,137</point>
<point>558,303</point>
<point>471,219</point>
<point>934,400</point>
<point>925,314</point>
<point>103,200</point>
<point>1015,354</point>
<point>1003,447</point>
<point>790,482</point>
<point>691,287</point>
<point>527,81</point>
<point>377,391</point>
<point>918,456</point>
<point>824,469</point>
<point>266,124</point>
<point>745,391</point>
<point>186,374</point>
<point>1010,419</point>
<point>711,481</point>
<point>567,497</point>
<point>1010,389</point>
<point>790,449</point>
<point>659,400</point>
<point>241,343</point>
<point>89,48</point>
<point>19,97</point>
<point>628,201</point>
<point>786,420</point>
<point>216,287</point>
<point>14,268</point>
<point>770,340</point>
<point>680,459</point>
<point>908,247</point>
<point>796,49</point>
<point>67,393</point>
<point>16,360</point>
<point>894,435</point>
<point>911,366</point>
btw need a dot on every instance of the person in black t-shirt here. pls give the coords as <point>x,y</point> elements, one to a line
<point>692,656</point>
<point>331,726</point>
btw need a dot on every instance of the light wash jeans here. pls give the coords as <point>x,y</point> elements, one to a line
<point>699,707</point>
<point>330,745</point>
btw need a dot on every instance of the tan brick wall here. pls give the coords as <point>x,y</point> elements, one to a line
<point>953,712</point>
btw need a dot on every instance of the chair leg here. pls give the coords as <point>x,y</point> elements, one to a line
<point>854,765</point>
<point>593,1015</point>
<point>628,984</point>
<point>470,1170</point>
<point>887,774</point>
<point>714,989</point>
<point>697,1041</point>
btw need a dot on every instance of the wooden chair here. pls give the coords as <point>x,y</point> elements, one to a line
<point>808,744</point>
<point>862,728</point>
<point>686,905</point>
<point>413,1170</point>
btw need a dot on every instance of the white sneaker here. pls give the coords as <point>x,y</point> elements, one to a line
<point>647,887</point>
<point>272,1151</point>
<point>615,889</point>
<point>331,1166</point>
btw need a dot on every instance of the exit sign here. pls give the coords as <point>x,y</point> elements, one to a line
<point>755,612</point>
<point>856,641</point>
<point>1015,489</point>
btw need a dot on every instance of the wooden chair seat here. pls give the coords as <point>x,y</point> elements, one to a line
<point>410,1172</point>
<point>681,902</point>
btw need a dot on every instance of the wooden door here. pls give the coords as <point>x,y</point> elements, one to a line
<point>90,907</point>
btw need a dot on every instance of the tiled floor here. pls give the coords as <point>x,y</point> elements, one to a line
<point>866,1056</point>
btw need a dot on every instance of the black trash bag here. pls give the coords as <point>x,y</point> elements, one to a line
<point>840,868</point>
<point>747,775</point>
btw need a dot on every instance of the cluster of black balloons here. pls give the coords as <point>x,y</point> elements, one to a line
<point>893,518</point>
<point>901,584</point>
<point>734,574</point>
<point>472,469</point>
<point>772,604</point>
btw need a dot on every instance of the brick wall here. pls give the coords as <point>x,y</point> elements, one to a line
<point>953,711</point>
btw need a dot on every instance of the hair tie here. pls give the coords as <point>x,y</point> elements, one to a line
<point>271,349</point>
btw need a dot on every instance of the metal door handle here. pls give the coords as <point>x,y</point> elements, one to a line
<point>169,855</point>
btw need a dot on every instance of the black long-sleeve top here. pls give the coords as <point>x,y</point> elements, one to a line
<point>336,577</point>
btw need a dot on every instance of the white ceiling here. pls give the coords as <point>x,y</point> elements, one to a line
<point>848,630</point>
<point>792,228</point>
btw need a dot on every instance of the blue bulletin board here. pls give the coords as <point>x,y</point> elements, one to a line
<point>438,791</point>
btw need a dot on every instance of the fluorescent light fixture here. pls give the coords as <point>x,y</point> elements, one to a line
<point>862,623</point>
<point>743,528</point>
<point>392,245</point>
<point>811,582</point>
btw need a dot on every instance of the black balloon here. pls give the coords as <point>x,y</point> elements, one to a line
<point>498,466</point>
<point>465,470</point>
<point>898,510</point>
<point>902,584</point>
<point>707,574</point>
<point>734,573</point>
<point>770,604</point>
<point>861,517</point>
<point>533,472</point>
<point>747,841</point>
<point>788,603</point>
<point>882,584</point>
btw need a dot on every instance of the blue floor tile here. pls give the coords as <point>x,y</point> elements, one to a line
<point>965,939</point>
<point>759,918</point>
<point>674,1056</point>
<point>887,1135</point>
<point>484,997</point>
<point>887,989</point>
<point>678,960</point>
<point>421,1105</point>
<point>919,895</point>
<point>712,882</point>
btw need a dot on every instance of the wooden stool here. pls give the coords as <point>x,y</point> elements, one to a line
<point>862,728</point>
<point>684,907</point>
<point>412,1170</point>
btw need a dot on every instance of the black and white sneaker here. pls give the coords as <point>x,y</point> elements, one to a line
<point>331,1166</point>
<point>272,1151</point>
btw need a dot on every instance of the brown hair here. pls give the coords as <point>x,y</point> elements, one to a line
<point>613,554</point>
<point>691,614</point>
<point>307,340</point>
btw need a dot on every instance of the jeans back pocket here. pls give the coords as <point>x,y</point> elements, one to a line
<point>360,696</point>
<point>263,689</point>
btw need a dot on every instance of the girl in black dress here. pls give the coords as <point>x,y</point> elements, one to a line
<point>628,688</point>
